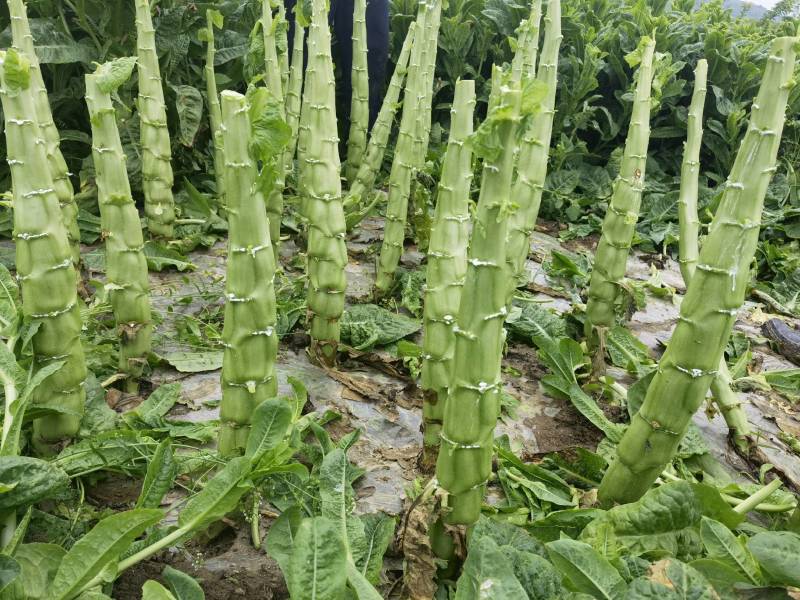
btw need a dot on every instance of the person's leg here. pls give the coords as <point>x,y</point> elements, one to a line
<point>377,52</point>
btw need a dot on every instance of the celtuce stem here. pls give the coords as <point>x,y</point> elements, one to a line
<point>472,407</point>
<point>447,267</point>
<point>157,178</point>
<point>214,112</point>
<point>293,93</point>
<point>251,342</point>
<point>23,43</point>
<point>410,152</point>
<point>376,149</point>
<point>45,269</point>
<point>619,225</point>
<point>274,83</point>
<point>523,64</point>
<point>359,103</point>
<point>714,295</point>
<point>722,386</point>
<point>534,150</point>
<point>321,191</point>
<point>688,248</point>
<point>126,265</point>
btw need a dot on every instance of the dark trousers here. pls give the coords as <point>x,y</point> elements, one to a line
<point>341,21</point>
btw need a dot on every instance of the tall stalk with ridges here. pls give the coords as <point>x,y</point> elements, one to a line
<point>23,42</point>
<point>534,150</point>
<point>524,62</point>
<point>364,181</point>
<point>321,191</point>
<point>359,103</point>
<point>622,214</point>
<point>214,19</point>
<point>282,44</point>
<point>715,294</point>
<point>274,82</point>
<point>406,155</point>
<point>726,398</point>
<point>126,265</point>
<point>43,258</point>
<point>157,179</point>
<point>293,92</point>
<point>473,403</point>
<point>251,342</point>
<point>425,97</point>
<point>447,266</point>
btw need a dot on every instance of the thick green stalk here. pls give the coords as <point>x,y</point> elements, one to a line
<point>126,265</point>
<point>251,343</point>
<point>44,260</point>
<point>714,295</point>
<point>619,225</point>
<point>321,190</point>
<point>157,179</point>
<point>447,266</point>
<point>359,102</point>
<point>472,407</point>
<point>425,97</point>
<point>408,155</point>
<point>23,42</point>
<point>534,149</point>
<point>524,62</point>
<point>272,66</point>
<point>688,220</point>
<point>282,45</point>
<point>293,93</point>
<point>214,112</point>
<point>376,149</point>
<point>275,86</point>
<point>722,386</point>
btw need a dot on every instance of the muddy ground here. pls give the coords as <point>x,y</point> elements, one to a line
<point>387,408</point>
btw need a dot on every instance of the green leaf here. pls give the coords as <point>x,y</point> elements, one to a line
<point>158,403</point>
<point>16,71</point>
<point>585,569</point>
<point>318,565</point>
<point>538,577</point>
<point>194,362</point>
<point>530,319</point>
<point>281,537</point>
<point>778,553</point>
<point>99,548</point>
<point>270,133</point>
<point>9,571</point>
<point>487,574</point>
<point>378,532</point>
<point>365,326</point>
<point>661,520</point>
<point>270,421</point>
<point>362,588</point>
<point>159,477</point>
<point>626,351</point>
<point>722,545</point>
<point>111,75</point>
<point>337,501</point>
<point>19,533</point>
<point>720,575</point>
<point>183,586</point>
<point>30,480</point>
<point>152,590</point>
<point>159,257</point>
<point>220,496</point>
<point>38,565</point>
<point>670,579</point>
<point>113,450</point>
<point>189,105</point>
<point>9,301</point>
